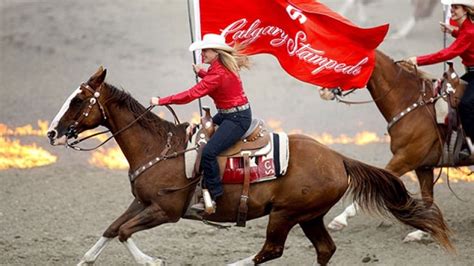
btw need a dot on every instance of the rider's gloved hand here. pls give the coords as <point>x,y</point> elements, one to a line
<point>197,68</point>
<point>328,94</point>
<point>447,28</point>
<point>155,101</point>
<point>411,60</point>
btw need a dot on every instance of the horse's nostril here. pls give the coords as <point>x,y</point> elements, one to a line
<point>51,134</point>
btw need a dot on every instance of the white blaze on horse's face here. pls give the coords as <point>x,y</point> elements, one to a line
<point>52,130</point>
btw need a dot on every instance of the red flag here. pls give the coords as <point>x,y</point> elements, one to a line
<point>311,42</point>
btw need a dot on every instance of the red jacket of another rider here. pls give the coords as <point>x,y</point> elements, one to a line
<point>463,46</point>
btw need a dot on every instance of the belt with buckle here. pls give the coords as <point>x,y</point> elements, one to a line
<point>234,109</point>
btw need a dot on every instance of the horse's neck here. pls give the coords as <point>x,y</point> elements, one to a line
<point>392,94</point>
<point>136,142</point>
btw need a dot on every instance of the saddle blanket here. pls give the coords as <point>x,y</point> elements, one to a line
<point>262,168</point>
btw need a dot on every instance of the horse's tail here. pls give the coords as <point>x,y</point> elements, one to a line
<point>378,190</point>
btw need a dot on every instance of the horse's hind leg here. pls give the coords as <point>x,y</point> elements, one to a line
<point>340,222</point>
<point>319,236</point>
<point>277,231</point>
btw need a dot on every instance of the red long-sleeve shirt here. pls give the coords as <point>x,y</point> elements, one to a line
<point>222,85</point>
<point>463,46</point>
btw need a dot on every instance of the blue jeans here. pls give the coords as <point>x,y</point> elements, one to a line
<point>466,106</point>
<point>231,128</point>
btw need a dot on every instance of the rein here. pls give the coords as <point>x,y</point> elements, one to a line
<point>93,100</point>
<point>339,97</point>
<point>73,144</point>
<point>132,174</point>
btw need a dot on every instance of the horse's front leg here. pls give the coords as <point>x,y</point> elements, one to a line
<point>149,217</point>
<point>425,178</point>
<point>135,208</point>
<point>112,231</point>
<point>399,166</point>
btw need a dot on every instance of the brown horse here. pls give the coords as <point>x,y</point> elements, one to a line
<point>317,177</point>
<point>416,139</point>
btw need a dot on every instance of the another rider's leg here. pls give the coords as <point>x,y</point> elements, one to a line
<point>232,128</point>
<point>466,109</point>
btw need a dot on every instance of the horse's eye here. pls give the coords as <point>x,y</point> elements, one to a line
<point>76,102</point>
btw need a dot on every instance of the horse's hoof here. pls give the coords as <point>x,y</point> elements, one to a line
<point>156,262</point>
<point>415,236</point>
<point>336,225</point>
<point>85,263</point>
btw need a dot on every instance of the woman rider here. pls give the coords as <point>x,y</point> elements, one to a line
<point>462,12</point>
<point>223,84</point>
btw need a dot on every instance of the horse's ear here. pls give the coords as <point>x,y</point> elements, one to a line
<point>98,78</point>
<point>451,66</point>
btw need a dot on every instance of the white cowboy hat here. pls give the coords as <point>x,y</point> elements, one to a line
<point>211,41</point>
<point>469,3</point>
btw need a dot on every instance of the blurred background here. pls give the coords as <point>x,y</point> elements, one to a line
<point>48,47</point>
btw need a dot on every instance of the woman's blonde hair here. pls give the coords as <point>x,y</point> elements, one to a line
<point>470,12</point>
<point>234,60</point>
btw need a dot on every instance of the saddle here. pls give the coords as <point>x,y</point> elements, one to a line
<point>255,142</point>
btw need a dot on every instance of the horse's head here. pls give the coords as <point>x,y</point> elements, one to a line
<point>452,83</point>
<point>81,111</point>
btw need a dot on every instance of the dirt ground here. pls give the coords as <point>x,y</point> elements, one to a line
<point>52,215</point>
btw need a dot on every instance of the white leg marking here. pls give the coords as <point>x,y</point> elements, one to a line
<point>415,236</point>
<point>92,254</point>
<point>244,262</point>
<point>139,256</point>
<point>340,222</point>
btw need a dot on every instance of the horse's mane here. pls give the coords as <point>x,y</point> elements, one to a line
<point>149,121</point>
<point>416,71</point>
<point>407,68</point>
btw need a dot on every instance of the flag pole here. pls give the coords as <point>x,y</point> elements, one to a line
<point>444,32</point>
<point>446,17</point>
<point>193,33</point>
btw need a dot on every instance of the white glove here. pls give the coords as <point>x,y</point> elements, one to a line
<point>326,94</point>
<point>154,100</point>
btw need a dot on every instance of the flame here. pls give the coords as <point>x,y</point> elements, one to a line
<point>109,158</point>
<point>113,158</point>
<point>362,138</point>
<point>13,154</point>
<point>455,175</point>
<point>26,130</point>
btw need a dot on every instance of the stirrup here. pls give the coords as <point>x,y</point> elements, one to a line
<point>206,204</point>
<point>200,207</point>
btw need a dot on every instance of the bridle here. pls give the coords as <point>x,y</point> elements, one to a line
<point>340,96</point>
<point>93,100</point>
<point>420,102</point>
<point>133,174</point>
